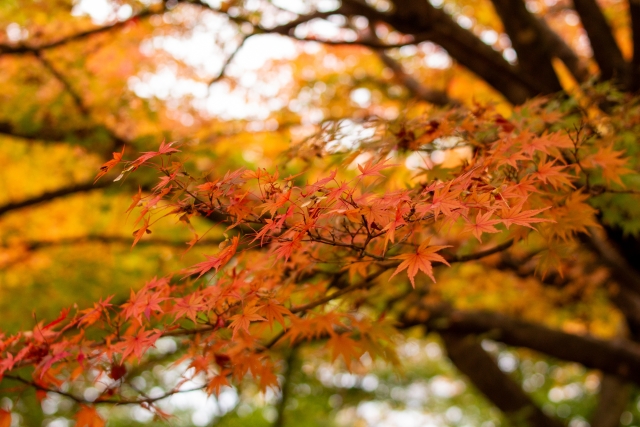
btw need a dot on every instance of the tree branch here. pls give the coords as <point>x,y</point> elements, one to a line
<point>560,49</point>
<point>286,386</point>
<point>528,40</point>
<point>634,12</point>
<point>65,83</point>
<point>470,358</point>
<point>621,271</point>
<point>416,89</point>
<point>50,195</point>
<point>619,357</point>
<point>612,400</point>
<point>21,49</point>
<point>605,49</point>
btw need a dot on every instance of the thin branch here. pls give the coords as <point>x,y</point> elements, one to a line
<point>436,97</point>
<point>67,85</point>
<point>146,400</point>
<point>21,49</point>
<point>226,64</point>
<point>32,245</point>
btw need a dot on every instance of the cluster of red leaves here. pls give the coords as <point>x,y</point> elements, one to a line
<point>272,281</point>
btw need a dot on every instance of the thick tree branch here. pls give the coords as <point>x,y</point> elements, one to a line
<point>528,40</point>
<point>619,357</point>
<point>612,401</point>
<point>605,49</point>
<point>286,387</point>
<point>634,12</point>
<point>469,357</point>
<point>624,274</point>
<point>51,195</point>
<point>560,49</point>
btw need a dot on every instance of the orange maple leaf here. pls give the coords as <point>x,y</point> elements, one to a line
<point>420,261</point>
<point>516,215</point>
<point>242,321</point>
<point>5,418</point>
<point>106,167</point>
<point>611,162</point>
<point>274,311</point>
<point>215,261</point>
<point>371,169</point>
<point>483,224</point>
<point>217,382</point>
<point>342,345</point>
<point>87,416</point>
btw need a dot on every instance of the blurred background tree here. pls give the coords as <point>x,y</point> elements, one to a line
<point>242,81</point>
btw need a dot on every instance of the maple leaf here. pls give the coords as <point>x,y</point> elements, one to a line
<point>371,169</point>
<point>342,345</point>
<point>137,234</point>
<point>267,378</point>
<point>106,167</point>
<point>611,162</point>
<point>189,307</point>
<point>63,315</point>
<point>516,215</point>
<point>217,382</point>
<point>273,311</point>
<point>139,343</point>
<point>142,303</point>
<point>215,261</point>
<point>547,172</point>
<point>243,320</point>
<point>285,248</point>
<point>391,229</point>
<point>148,155</point>
<point>135,201</point>
<point>420,261</point>
<point>5,418</point>
<point>483,224</point>
<point>310,189</point>
<point>48,361</point>
<point>92,315</point>
<point>87,416</point>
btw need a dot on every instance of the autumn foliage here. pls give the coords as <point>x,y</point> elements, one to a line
<point>303,255</point>
<point>462,173</point>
